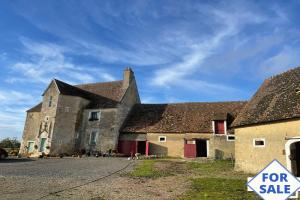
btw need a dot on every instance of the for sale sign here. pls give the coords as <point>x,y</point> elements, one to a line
<point>274,182</point>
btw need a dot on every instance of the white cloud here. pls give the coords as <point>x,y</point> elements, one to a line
<point>107,77</point>
<point>192,62</point>
<point>13,105</point>
<point>14,97</point>
<point>288,57</point>
<point>47,60</point>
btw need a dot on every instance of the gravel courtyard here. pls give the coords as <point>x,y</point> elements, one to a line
<point>56,178</point>
<point>35,178</point>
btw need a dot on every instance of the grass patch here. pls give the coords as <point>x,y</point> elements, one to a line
<point>219,188</point>
<point>146,170</point>
<point>210,180</point>
<point>217,180</point>
<point>212,166</point>
<point>217,169</point>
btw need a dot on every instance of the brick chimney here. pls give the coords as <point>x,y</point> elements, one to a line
<point>127,77</point>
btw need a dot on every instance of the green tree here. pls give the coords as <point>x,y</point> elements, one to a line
<point>10,143</point>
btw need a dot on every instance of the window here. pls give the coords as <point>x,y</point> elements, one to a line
<point>50,101</point>
<point>94,116</point>
<point>230,137</point>
<point>93,137</point>
<point>67,109</point>
<point>219,127</point>
<point>30,146</point>
<point>259,142</point>
<point>162,138</point>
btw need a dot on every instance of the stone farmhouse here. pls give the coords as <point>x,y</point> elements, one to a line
<point>102,117</point>
<point>269,125</point>
<point>71,118</point>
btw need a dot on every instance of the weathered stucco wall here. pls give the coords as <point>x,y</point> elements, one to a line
<point>48,115</point>
<point>31,130</point>
<point>251,159</point>
<point>111,120</point>
<point>219,147</point>
<point>68,118</point>
<point>133,136</point>
<point>105,128</point>
<point>130,98</point>
<point>43,124</point>
<point>174,145</point>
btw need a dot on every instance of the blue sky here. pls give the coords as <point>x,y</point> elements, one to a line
<point>179,50</point>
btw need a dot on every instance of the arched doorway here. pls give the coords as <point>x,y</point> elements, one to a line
<point>292,148</point>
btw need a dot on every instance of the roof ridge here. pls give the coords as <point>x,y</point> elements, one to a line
<point>200,102</point>
<point>283,73</point>
<point>79,89</point>
<point>98,83</point>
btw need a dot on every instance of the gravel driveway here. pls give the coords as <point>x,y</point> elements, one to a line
<point>37,178</point>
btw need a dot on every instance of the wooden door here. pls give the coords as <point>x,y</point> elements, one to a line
<point>190,150</point>
<point>43,144</point>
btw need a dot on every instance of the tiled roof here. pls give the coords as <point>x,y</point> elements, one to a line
<point>111,90</point>
<point>277,99</point>
<point>101,95</point>
<point>93,92</point>
<point>179,117</point>
<point>36,108</point>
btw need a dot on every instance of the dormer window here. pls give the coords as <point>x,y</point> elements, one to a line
<point>94,116</point>
<point>219,127</point>
<point>50,101</point>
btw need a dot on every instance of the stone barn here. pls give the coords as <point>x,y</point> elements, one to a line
<point>269,125</point>
<point>181,130</point>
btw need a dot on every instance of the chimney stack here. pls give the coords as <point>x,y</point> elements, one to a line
<point>128,77</point>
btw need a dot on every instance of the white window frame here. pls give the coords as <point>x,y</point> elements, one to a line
<point>96,137</point>
<point>230,140</point>
<point>162,136</point>
<point>90,115</point>
<point>207,148</point>
<point>259,139</point>
<point>67,109</point>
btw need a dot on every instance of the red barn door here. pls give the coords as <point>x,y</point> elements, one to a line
<point>127,147</point>
<point>190,150</point>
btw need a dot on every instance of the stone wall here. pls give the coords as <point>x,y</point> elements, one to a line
<point>68,119</point>
<point>105,128</point>
<point>130,98</point>
<point>253,159</point>
<point>31,130</point>
<point>42,124</point>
